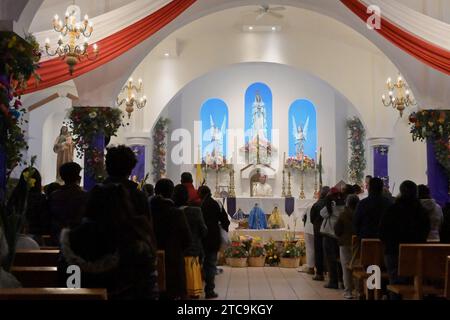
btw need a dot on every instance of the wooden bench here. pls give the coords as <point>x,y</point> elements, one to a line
<point>36,258</point>
<point>447,279</point>
<point>422,262</point>
<point>52,294</point>
<point>161,268</point>
<point>36,277</point>
<point>371,253</point>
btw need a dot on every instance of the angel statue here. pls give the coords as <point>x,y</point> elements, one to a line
<point>215,136</point>
<point>300,136</point>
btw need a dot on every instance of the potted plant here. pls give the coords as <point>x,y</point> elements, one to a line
<point>236,255</point>
<point>291,254</point>
<point>257,254</point>
<point>272,255</point>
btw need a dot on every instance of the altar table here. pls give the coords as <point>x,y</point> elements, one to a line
<point>266,234</point>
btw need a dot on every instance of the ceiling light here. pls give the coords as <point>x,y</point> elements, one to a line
<point>274,28</point>
<point>166,54</point>
<point>250,28</point>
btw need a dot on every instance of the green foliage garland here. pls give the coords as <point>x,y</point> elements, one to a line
<point>435,126</point>
<point>160,148</point>
<point>85,124</point>
<point>357,163</point>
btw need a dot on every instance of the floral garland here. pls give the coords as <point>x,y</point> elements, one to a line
<point>357,163</point>
<point>18,62</point>
<point>85,124</point>
<point>433,125</point>
<point>301,164</point>
<point>159,148</point>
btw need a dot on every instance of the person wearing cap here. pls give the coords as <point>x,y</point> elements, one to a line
<point>66,204</point>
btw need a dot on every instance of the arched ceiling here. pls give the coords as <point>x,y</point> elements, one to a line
<point>430,87</point>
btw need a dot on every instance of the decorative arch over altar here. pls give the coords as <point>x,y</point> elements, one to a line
<point>302,129</point>
<point>214,118</point>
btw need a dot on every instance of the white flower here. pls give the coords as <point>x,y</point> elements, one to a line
<point>92,115</point>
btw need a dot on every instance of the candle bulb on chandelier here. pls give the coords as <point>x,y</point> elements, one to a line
<point>95,48</point>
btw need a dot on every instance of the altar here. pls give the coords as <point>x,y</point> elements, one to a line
<point>292,222</point>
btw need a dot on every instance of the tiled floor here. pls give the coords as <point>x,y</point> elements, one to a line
<point>271,283</point>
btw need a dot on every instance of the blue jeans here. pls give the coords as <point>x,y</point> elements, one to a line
<point>209,268</point>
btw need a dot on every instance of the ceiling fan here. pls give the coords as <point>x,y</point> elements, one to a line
<point>267,10</point>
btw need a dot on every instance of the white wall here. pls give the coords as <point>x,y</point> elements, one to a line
<point>287,85</point>
<point>43,128</point>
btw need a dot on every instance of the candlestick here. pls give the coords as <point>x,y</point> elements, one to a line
<point>289,193</point>
<point>217,193</point>
<point>302,191</point>
<point>231,192</point>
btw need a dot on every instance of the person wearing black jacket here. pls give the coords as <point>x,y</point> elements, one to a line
<point>172,235</point>
<point>316,220</point>
<point>215,218</point>
<point>366,221</point>
<point>406,221</point>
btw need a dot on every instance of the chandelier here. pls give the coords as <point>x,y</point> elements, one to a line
<point>129,92</point>
<point>399,95</point>
<point>72,50</point>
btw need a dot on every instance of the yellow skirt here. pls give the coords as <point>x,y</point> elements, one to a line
<point>194,282</point>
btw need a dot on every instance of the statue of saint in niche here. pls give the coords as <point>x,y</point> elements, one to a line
<point>63,147</point>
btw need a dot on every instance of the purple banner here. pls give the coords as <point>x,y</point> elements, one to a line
<point>139,169</point>
<point>231,206</point>
<point>289,204</point>
<point>380,163</point>
<point>97,143</point>
<point>437,178</point>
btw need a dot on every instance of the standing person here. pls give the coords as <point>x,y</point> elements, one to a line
<point>316,220</point>
<point>112,246</point>
<point>188,182</point>
<point>344,231</point>
<point>406,221</point>
<point>66,205</point>
<point>215,218</point>
<point>120,162</point>
<point>369,211</point>
<point>37,220</point>
<point>194,253</point>
<point>172,235</point>
<point>330,214</point>
<point>309,241</point>
<point>445,227</point>
<point>434,213</point>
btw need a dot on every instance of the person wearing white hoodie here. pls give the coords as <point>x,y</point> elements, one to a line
<point>434,212</point>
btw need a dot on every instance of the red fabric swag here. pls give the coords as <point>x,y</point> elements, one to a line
<point>55,71</point>
<point>429,53</point>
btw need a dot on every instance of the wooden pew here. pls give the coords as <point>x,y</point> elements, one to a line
<point>36,277</point>
<point>36,258</point>
<point>447,279</point>
<point>422,262</point>
<point>161,268</point>
<point>371,254</point>
<point>52,294</point>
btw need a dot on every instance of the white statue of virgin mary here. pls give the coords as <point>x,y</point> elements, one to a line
<point>259,119</point>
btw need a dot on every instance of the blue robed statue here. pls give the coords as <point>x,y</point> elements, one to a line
<point>257,218</point>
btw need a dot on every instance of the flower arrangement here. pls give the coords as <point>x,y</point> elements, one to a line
<point>301,163</point>
<point>257,248</point>
<point>159,148</point>
<point>292,250</point>
<point>86,123</point>
<point>433,125</point>
<point>19,60</point>
<point>246,242</point>
<point>215,165</point>
<point>357,163</point>
<point>236,250</point>
<point>272,253</point>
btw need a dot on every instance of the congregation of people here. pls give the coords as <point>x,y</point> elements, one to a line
<point>338,216</point>
<point>114,231</point>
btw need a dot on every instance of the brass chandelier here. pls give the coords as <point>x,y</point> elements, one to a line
<point>71,50</point>
<point>128,93</point>
<point>399,95</point>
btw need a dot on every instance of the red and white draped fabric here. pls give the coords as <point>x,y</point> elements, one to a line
<point>117,32</point>
<point>421,36</point>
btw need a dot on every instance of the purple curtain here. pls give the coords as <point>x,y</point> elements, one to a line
<point>437,178</point>
<point>380,163</point>
<point>97,143</point>
<point>139,169</point>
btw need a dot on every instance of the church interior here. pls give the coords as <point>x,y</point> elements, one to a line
<point>225,149</point>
